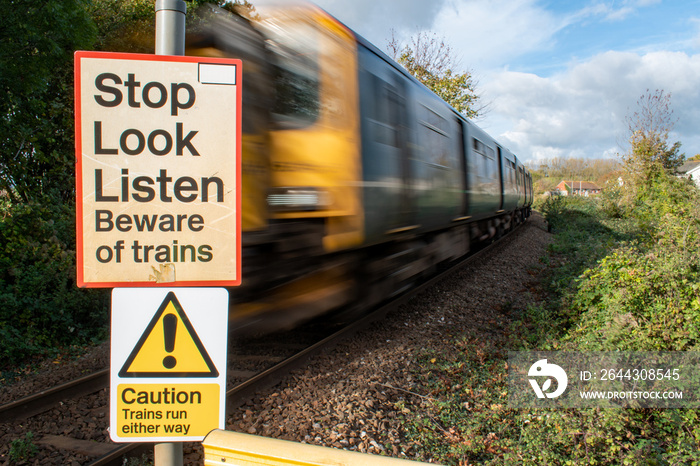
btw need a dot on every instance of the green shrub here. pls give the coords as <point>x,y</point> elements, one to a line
<point>622,274</point>
<point>23,449</point>
<point>638,300</point>
<point>40,306</point>
<point>645,295</point>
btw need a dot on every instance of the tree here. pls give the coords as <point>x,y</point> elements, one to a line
<point>432,61</point>
<point>36,134</point>
<point>36,84</point>
<point>649,155</point>
<point>124,25</point>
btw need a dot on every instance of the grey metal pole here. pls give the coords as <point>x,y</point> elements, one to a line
<point>168,454</point>
<point>170,40</point>
<point>170,27</point>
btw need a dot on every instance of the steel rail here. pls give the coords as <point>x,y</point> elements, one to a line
<point>46,399</point>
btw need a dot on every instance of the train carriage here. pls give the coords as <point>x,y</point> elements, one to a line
<point>370,179</point>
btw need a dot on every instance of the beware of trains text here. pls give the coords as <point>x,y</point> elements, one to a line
<point>158,170</point>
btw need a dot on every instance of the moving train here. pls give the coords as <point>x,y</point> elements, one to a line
<point>357,179</point>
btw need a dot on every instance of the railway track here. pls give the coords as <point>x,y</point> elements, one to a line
<point>256,365</point>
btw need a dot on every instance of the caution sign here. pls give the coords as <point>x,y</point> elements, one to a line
<point>149,411</point>
<point>158,165</point>
<point>168,363</point>
<point>169,347</point>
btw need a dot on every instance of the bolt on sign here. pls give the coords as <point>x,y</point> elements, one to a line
<point>158,147</point>
<point>168,363</point>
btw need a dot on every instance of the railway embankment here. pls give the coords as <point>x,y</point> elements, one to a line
<point>356,396</point>
<point>429,381</point>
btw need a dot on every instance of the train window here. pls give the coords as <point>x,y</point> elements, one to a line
<point>433,120</point>
<point>295,51</point>
<point>435,137</point>
<point>487,167</point>
<point>483,149</point>
<point>479,146</point>
<point>511,172</point>
<point>385,112</point>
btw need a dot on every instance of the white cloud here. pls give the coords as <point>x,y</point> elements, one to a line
<point>581,112</point>
<point>490,32</point>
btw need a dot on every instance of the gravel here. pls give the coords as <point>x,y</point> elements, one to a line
<point>348,397</point>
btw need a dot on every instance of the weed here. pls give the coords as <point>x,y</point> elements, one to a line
<point>23,449</point>
<point>143,460</point>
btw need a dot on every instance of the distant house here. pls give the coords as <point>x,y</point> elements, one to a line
<point>577,188</point>
<point>690,170</point>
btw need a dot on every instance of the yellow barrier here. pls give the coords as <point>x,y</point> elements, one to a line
<point>224,448</point>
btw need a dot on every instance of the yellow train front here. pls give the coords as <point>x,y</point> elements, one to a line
<point>357,179</point>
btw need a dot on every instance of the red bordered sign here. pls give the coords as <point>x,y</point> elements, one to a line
<point>158,149</point>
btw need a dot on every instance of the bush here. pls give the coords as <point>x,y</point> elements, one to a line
<point>40,306</point>
<point>626,279</point>
<point>645,295</point>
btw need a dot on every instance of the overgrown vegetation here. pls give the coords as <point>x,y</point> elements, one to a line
<point>611,283</point>
<point>622,274</point>
<point>41,309</point>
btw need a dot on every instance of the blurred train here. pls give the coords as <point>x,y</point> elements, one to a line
<point>357,180</point>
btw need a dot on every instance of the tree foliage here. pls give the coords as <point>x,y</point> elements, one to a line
<point>36,135</point>
<point>432,61</point>
<point>124,25</point>
<point>649,127</point>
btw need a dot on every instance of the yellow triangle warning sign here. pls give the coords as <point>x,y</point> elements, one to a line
<point>169,347</point>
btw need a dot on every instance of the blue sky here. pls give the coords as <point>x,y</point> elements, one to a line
<point>592,28</point>
<point>559,76</point>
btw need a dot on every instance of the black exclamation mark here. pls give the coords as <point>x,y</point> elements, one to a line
<point>169,331</point>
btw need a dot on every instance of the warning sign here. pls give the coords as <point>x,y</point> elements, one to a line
<point>168,360</point>
<point>169,347</point>
<point>159,410</point>
<point>158,152</point>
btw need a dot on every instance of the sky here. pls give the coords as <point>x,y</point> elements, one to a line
<point>559,77</point>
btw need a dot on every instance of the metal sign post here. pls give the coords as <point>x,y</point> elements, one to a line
<point>170,27</point>
<point>170,40</point>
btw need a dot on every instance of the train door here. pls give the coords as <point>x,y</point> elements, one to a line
<point>397,104</point>
<point>464,170</point>
<point>520,183</point>
<point>391,129</point>
<point>501,178</point>
<point>386,169</point>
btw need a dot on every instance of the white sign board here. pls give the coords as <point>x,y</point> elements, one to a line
<point>158,145</point>
<point>168,363</point>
